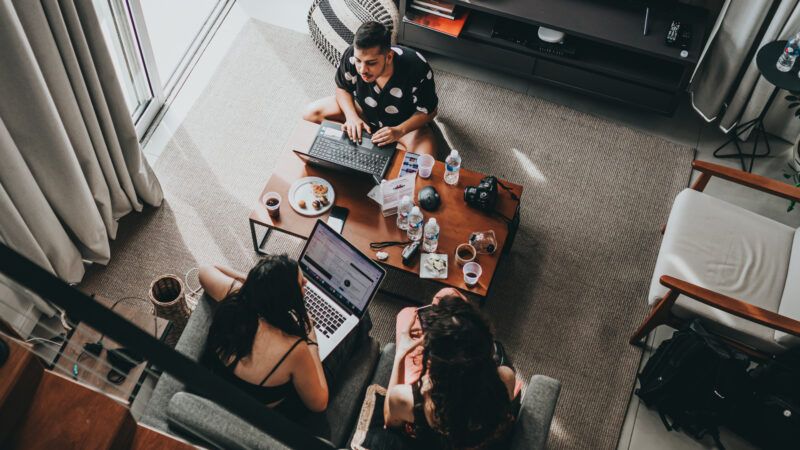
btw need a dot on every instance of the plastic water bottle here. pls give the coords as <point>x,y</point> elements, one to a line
<point>789,55</point>
<point>415,224</point>
<point>402,212</point>
<point>431,239</point>
<point>452,166</point>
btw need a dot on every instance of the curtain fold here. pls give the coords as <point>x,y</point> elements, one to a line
<point>727,84</point>
<point>72,164</point>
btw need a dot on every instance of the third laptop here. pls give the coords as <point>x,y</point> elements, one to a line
<point>341,283</point>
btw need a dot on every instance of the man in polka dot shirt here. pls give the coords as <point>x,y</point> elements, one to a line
<point>383,90</point>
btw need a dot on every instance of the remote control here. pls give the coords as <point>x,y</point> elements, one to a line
<point>410,252</point>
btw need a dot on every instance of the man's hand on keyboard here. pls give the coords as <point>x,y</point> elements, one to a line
<point>353,127</point>
<point>386,135</point>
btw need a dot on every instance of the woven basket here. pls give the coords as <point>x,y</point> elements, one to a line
<point>168,296</point>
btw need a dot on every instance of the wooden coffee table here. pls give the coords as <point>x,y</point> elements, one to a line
<point>365,222</point>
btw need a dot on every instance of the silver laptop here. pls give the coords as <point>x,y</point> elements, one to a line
<point>341,283</point>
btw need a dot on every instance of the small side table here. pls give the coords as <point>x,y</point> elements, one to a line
<point>766,60</point>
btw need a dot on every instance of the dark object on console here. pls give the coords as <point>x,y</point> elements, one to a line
<point>428,198</point>
<point>483,196</point>
<point>122,360</point>
<point>679,35</point>
<point>410,251</point>
<point>526,35</point>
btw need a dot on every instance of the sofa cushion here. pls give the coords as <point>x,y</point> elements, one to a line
<point>790,300</point>
<point>727,249</point>
<point>191,344</point>
<point>333,23</point>
<point>207,423</point>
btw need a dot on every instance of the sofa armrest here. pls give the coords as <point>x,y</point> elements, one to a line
<point>733,306</point>
<point>191,343</point>
<point>206,423</point>
<point>538,404</point>
<point>751,180</point>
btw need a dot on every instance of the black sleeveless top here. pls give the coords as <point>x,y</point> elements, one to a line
<point>264,394</point>
<point>426,437</point>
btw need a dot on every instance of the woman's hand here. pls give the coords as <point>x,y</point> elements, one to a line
<point>387,135</point>
<point>407,340</point>
<point>353,126</point>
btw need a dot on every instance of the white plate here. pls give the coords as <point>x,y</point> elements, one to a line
<point>301,190</point>
<point>424,272</point>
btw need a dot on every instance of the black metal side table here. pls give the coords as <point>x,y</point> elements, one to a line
<point>766,60</point>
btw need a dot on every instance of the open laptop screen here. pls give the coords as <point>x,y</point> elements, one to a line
<point>340,269</point>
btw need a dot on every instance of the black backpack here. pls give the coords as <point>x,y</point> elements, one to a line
<point>771,416</point>
<point>694,379</point>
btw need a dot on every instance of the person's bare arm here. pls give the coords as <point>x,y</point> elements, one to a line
<point>398,406</point>
<point>353,123</point>
<point>508,378</point>
<point>235,274</point>
<point>309,378</point>
<point>218,283</point>
<point>388,135</point>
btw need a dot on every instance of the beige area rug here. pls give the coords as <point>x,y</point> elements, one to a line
<point>565,299</point>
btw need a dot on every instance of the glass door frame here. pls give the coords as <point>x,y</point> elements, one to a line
<point>164,93</point>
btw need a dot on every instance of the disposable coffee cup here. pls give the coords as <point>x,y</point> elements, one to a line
<point>464,254</point>
<point>425,165</point>
<point>273,203</point>
<point>472,273</point>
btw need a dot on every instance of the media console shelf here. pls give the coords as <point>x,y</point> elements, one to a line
<point>612,59</point>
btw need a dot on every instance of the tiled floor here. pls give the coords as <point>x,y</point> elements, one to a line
<point>643,428</point>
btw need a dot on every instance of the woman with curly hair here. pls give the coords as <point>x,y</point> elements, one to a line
<point>463,399</point>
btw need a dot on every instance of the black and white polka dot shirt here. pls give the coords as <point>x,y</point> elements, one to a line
<point>410,88</point>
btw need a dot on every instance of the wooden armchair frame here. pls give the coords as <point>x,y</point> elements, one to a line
<point>661,313</point>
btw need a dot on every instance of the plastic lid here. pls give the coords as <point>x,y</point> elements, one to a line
<point>415,210</point>
<point>454,152</point>
<point>432,220</point>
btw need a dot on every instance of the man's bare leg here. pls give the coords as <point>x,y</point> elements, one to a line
<point>324,109</point>
<point>420,141</point>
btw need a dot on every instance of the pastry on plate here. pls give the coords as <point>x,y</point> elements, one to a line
<point>319,190</point>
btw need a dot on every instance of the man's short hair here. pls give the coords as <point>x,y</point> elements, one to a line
<point>371,35</point>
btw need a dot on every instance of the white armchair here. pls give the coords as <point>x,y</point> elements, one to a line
<point>736,270</point>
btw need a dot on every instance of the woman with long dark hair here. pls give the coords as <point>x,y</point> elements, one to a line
<point>261,338</point>
<point>462,400</point>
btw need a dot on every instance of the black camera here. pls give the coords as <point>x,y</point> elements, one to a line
<point>484,195</point>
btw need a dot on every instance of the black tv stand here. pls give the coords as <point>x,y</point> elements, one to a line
<point>613,59</point>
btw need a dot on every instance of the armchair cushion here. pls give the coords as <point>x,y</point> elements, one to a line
<point>730,250</point>
<point>790,301</point>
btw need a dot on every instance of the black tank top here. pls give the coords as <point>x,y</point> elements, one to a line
<point>264,394</point>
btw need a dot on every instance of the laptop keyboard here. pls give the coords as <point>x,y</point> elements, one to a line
<point>326,318</point>
<point>348,156</point>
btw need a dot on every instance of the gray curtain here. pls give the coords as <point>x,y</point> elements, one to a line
<point>726,84</point>
<point>71,160</point>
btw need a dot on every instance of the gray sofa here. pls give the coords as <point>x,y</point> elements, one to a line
<point>175,411</point>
